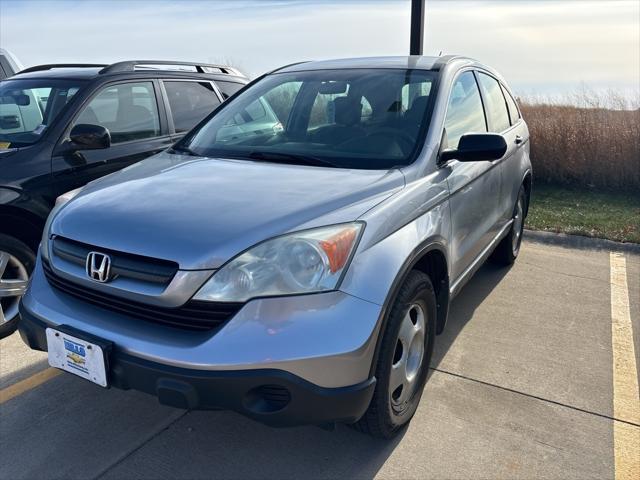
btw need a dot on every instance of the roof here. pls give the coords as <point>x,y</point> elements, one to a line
<point>401,62</point>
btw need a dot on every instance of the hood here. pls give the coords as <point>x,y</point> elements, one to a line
<point>200,212</point>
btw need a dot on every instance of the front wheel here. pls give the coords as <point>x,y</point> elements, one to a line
<point>403,360</point>
<point>16,263</point>
<point>507,250</point>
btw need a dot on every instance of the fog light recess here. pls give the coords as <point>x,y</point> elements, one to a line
<point>267,399</point>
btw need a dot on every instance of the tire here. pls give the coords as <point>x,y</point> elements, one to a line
<point>509,247</point>
<point>16,264</point>
<point>392,409</point>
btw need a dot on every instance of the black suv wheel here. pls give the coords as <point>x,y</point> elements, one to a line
<point>16,263</point>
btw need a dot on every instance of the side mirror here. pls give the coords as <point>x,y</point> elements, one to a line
<point>89,137</point>
<point>476,147</point>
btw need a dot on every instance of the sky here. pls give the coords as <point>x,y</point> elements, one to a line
<point>544,47</point>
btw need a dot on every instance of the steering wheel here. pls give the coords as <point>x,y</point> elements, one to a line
<point>396,134</point>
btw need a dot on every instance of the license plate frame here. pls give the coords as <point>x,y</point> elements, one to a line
<point>79,353</point>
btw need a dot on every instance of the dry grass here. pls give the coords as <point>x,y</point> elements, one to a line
<point>592,140</point>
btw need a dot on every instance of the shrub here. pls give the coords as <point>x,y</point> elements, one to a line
<point>585,140</point>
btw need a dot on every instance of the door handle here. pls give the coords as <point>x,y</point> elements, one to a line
<point>519,140</point>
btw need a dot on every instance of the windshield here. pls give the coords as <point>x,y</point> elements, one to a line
<point>28,107</point>
<point>359,118</point>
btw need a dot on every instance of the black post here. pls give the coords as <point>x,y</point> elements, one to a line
<point>417,27</point>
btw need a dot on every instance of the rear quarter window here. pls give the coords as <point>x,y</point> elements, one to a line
<point>514,112</point>
<point>227,89</point>
<point>190,102</point>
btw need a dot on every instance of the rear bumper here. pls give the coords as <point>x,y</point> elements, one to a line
<point>271,396</point>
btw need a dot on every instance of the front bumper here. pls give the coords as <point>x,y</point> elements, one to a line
<point>273,397</point>
<point>313,351</point>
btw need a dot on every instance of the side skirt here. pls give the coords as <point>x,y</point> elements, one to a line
<point>477,263</point>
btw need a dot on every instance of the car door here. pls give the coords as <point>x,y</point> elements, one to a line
<point>474,186</point>
<point>188,102</point>
<point>518,144</point>
<point>130,111</point>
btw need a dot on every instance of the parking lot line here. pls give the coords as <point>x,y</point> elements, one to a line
<point>626,395</point>
<point>22,386</point>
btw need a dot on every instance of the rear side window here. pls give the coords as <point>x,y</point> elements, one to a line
<point>464,114</point>
<point>228,88</point>
<point>411,91</point>
<point>190,102</point>
<point>129,111</point>
<point>323,111</point>
<point>281,100</point>
<point>514,113</point>
<point>496,105</point>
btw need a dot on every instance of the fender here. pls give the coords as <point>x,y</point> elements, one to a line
<point>22,216</point>
<point>19,199</point>
<point>442,297</point>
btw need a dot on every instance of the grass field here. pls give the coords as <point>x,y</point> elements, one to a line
<point>581,211</point>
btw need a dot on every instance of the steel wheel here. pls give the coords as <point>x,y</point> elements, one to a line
<point>407,357</point>
<point>518,223</point>
<point>13,283</point>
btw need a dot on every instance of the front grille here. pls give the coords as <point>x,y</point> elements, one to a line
<point>126,265</point>
<point>194,315</point>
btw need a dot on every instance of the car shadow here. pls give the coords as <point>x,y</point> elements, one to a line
<point>464,305</point>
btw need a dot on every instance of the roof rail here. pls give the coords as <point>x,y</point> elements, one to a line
<point>51,66</point>
<point>444,59</point>
<point>130,65</point>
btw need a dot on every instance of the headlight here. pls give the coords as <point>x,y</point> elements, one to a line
<point>65,197</point>
<point>303,262</point>
<point>60,201</point>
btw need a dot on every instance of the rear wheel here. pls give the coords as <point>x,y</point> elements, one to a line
<point>16,264</point>
<point>403,360</point>
<point>507,250</point>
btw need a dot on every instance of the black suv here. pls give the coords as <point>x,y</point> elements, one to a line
<point>62,126</point>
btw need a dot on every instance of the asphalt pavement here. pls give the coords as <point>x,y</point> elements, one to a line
<point>528,381</point>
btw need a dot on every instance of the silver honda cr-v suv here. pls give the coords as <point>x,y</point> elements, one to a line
<point>299,273</point>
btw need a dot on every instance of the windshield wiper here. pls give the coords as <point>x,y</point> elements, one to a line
<point>282,157</point>
<point>181,149</point>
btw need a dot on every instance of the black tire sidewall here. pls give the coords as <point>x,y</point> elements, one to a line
<point>503,253</point>
<point>417,288</point>
<point>521,197</point>
<point>27,257</point>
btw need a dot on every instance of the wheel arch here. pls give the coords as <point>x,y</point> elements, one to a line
<point>526,183</point>
<point>430,258</point>
<point>23,224</point>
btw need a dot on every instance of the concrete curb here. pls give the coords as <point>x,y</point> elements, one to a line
<point>578,241</point>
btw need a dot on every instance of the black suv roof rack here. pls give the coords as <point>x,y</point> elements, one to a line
<point>130,65</point>
<point>50,66</point>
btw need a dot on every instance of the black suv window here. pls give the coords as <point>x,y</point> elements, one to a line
<point>464,114</point>
<point>514,113</point>
<point>128,110</point>
<point>29,107</point>
<point>228,88</point>
<point>496,106</point>
<point>190,102</point>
